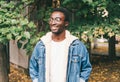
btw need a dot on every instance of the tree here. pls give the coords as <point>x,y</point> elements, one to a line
<point>14,26</point>
<point>95,15</point>
<point>3,65</point>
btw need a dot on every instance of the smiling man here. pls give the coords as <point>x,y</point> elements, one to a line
<point>59,56</point>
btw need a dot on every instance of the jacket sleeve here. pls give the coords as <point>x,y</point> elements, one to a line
<point>86,67</point>
<point>33,65</point>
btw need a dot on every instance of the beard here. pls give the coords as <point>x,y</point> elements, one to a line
<point>57,32</point>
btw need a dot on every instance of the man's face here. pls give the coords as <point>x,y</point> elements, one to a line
<point>57,22</point>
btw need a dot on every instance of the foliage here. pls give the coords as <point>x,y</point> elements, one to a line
<point>94,18</point>
<point>15,26</point>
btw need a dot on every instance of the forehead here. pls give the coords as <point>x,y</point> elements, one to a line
<point>57,14</point>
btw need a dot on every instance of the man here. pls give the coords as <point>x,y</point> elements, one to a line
<point>59,56</point>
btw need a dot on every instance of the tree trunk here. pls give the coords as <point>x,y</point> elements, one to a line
<point>3,64</point>
<point>112,49</point>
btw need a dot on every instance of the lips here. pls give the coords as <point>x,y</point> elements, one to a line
<point>54,28</point>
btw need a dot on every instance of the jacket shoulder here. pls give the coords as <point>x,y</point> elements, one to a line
<point>77,42</point>
<point>39,49</point>
<point>40,42</point>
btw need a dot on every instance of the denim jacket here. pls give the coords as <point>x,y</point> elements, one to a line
<point>78,66</point>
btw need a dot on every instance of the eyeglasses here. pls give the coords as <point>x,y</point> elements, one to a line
<point>57,19</point>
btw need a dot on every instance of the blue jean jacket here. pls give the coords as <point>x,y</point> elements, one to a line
<point>78,66</point>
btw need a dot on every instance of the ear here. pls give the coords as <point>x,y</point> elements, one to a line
<point>66,23</point>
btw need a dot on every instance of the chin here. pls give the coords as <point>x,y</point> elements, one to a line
<point>57,33</point>
<point>54,31</point>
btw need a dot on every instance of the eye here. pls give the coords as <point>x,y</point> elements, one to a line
<point>57,19</point>
<point>50,19</point>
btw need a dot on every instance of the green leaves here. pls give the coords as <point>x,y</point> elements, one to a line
<point>23,22</point>
<point>27,35</point>
<point>31,24</point>
<point>14,26</point>
<point>27,1</point>
<point>87,1</point>
<point>9,36</point>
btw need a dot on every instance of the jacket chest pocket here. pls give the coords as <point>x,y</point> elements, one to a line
<point>75,59</point>
<point>75,63</point>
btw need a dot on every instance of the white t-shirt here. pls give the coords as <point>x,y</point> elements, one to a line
<point>58,62</point>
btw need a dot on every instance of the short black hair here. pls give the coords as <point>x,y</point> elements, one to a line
<point>64,11</point>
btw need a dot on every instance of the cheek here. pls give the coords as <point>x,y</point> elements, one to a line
<point>62,25</point>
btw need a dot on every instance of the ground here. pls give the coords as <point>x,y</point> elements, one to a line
<point>104,69</point>
<point>18,74</point>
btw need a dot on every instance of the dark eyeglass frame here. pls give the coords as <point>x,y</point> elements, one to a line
<point>57,19</point>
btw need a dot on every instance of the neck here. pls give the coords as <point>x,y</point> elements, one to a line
<point>58,37</point>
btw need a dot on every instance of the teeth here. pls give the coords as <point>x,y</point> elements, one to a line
<point>54,27</point>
